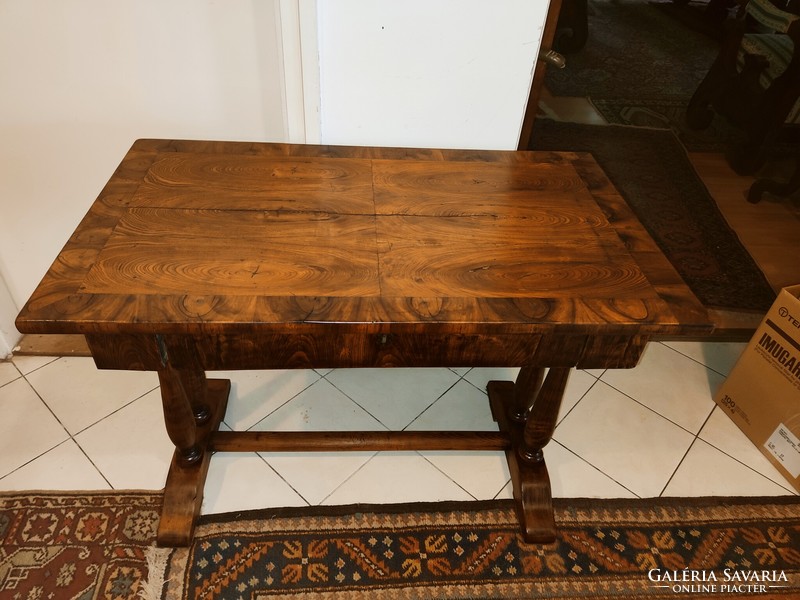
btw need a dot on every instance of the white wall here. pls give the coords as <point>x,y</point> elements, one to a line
<point>8,309</point>
<point>80,80</point>
<point>434,73</point>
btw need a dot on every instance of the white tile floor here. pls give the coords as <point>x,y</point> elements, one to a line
<point>649,431</point>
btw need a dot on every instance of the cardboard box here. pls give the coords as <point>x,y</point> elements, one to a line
<point>762,393</point>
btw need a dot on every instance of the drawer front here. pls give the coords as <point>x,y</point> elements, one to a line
<point>335,350</point>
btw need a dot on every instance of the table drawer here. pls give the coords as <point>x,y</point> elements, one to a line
<point>334,350</point>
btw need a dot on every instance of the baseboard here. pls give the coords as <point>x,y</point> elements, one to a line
<point>52,345</point>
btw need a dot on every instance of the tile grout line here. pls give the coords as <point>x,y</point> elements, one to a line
<point>281,405</point>
<point>91,462</point>
<point>709,367</point>
<point>457,484</point>
<point>595,467</point>
<point>460,377</point>
<point>652,410</point>
<point>700,439</point>
<point>439,397</point>
<point>778,483</point>
<point>70,436</point>
<point>358,404</point>
<point>282,478</point>
<point>678,466</point>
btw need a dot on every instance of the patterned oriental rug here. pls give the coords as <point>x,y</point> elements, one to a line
<point>100,545</point>
<point>651,170</point>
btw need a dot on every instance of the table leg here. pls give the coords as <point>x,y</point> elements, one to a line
<point>193,410</point>
<point>178,414</point>
<point>528,410</point>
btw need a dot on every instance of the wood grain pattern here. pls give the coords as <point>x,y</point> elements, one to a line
<point>338,441</point>
<point>484,257</point>
<point>177,252</point>
<point>333,349</point>
<point>214,237</point>
<point>217,255</point>
<point>469,188</point>
<point>188,180</point>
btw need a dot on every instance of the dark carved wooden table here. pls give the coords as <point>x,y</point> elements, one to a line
<point>203,256</point>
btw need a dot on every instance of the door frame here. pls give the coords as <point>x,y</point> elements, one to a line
<point>548,36</point>
<point>298,43</point>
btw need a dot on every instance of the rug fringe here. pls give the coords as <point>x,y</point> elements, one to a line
<point>152,587</point>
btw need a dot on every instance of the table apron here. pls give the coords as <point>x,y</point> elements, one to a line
<point>353,350</point>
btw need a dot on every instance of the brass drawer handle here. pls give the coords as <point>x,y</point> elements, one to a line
<point>553,58</point>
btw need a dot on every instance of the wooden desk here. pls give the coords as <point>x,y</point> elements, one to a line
<point>203,256</point>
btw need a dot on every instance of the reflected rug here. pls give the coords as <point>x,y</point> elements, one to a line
<point>651,170</point>
<point>100,545</point>
<point>641,64</point>
<point>670,113</point>
<point>634,50</point>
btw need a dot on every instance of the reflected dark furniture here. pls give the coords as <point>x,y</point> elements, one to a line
<point>754,81</point>
<point>785,187</point>
<point>572,30</point>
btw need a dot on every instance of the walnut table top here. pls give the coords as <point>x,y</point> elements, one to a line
<point>203,256</point>
<point>209,237</point>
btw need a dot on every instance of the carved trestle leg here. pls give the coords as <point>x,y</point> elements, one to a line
<point>193,409</point>
<point>528,410</point>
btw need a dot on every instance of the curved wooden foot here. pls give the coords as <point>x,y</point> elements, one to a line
<point>530,480</point>
<point>534,498</point>
<point>183,493</point>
